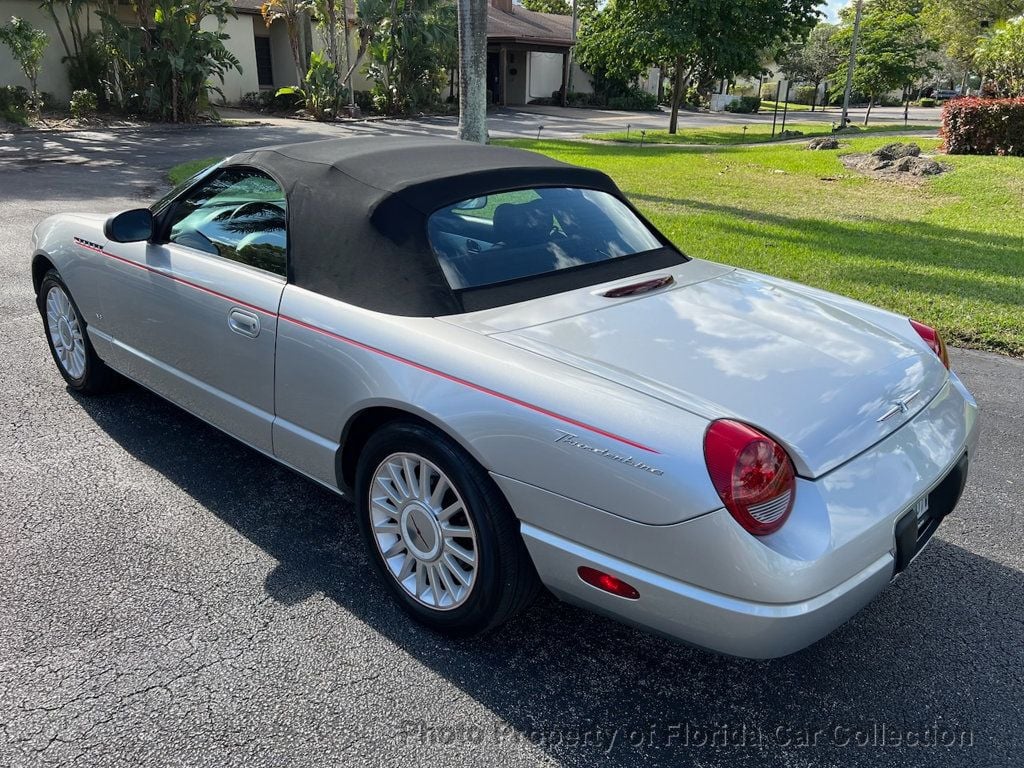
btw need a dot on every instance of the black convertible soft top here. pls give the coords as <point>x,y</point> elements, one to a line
<point>358,209</point>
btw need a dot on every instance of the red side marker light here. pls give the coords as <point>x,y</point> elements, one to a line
<point>607,583</point>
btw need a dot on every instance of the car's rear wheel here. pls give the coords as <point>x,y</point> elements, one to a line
<point>440,533</point>
<point>69,343</point>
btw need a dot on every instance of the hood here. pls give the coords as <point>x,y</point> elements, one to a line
<point>814,376</point>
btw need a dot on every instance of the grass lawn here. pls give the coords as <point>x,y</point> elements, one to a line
<point>185,171</point>
<point>768,106</point>
<point>757,132</point>
<point>949,252</point>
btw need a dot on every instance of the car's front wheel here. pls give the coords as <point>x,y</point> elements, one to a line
<point>440,533</point>
<point>65,327</point>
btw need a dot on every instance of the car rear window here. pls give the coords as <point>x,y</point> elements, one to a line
<point>524,233</point>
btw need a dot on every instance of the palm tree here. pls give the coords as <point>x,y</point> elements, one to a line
<point>473,70</point>
<point>294,14</point>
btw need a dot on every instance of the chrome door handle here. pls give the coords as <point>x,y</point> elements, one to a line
<point>245,323</point>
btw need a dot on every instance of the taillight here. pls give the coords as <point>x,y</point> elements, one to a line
<point>752,474</point>
<point>933,340</point>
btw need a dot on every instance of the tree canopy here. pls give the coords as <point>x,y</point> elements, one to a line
<point>1001,57</point>
<point>700,39</point>
<point>893,50</point>
<point>548,6</point>
<point>812,60</point>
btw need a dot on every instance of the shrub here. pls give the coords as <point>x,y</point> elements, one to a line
<point>636,100</point>
<point>926,102</point>
<point>14,97</point>
<point>364,100</point>
<point>257,100</point>
<point>14,102</point>
<point>768,91</point>
<point>972,126</point>
<point>805,94</point>
<point>748,105</point>
<point>83,103</point>
<point>287,99</point>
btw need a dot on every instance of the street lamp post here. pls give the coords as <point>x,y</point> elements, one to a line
<point>851,64</point>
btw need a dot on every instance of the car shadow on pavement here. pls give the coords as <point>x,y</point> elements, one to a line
<point>585,689</point>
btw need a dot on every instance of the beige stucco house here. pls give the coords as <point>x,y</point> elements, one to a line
<point>526,52</point>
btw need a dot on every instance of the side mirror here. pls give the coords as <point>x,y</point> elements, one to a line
<point>130,227</point>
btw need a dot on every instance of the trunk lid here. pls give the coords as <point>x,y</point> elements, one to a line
<point>815,377</point>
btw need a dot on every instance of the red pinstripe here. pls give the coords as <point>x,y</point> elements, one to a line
<point>381,352</point>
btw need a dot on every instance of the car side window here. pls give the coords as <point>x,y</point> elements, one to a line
<point>237,214</point>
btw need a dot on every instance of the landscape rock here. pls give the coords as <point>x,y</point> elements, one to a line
<point>898,162</point>
<point>823,142</point>
<point>896,150</point>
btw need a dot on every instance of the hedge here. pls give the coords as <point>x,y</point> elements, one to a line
<point>744,104</point>
<point>972,126</point>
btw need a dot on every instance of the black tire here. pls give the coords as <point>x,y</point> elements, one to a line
<point>97,377</point>
<point>505,581</point>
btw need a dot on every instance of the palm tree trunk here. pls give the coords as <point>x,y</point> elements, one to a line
<point>473,70</point>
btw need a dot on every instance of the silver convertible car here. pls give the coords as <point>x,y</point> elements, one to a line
<point>521,382</point>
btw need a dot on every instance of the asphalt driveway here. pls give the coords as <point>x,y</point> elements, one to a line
<point>169,597</point>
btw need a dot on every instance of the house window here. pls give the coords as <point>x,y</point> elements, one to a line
<point>264,62</point>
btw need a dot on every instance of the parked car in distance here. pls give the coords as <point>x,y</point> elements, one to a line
<point>520,381</point>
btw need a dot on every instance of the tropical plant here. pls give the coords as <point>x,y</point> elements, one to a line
<point>330,23</point>
<point>323,92</point>
<point>408,54</point>
<point>85,54</point>
<point>294,14</point>
<point>27,45</point>
<point>1000,56</point>
<point>163,68</point>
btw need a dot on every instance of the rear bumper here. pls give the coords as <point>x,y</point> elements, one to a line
<point>698,616</point>
<point>706,581</point>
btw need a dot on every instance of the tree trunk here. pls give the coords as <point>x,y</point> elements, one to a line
<point>871,103</point>
<point>364,44</point>
<point>564,88</point>
<point>300,24</point>
<point>293,41</point>
<point>677,95</point>
<point>348,61</point>
<point>60,30</point>
<point>473,70</point>
<point>814,96</point>
<point>332,35</point>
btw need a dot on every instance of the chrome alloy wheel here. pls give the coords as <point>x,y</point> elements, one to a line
<point>423,531</point>
<point>65,332</point>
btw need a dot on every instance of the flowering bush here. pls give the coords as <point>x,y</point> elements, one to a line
<point>983,127</point>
